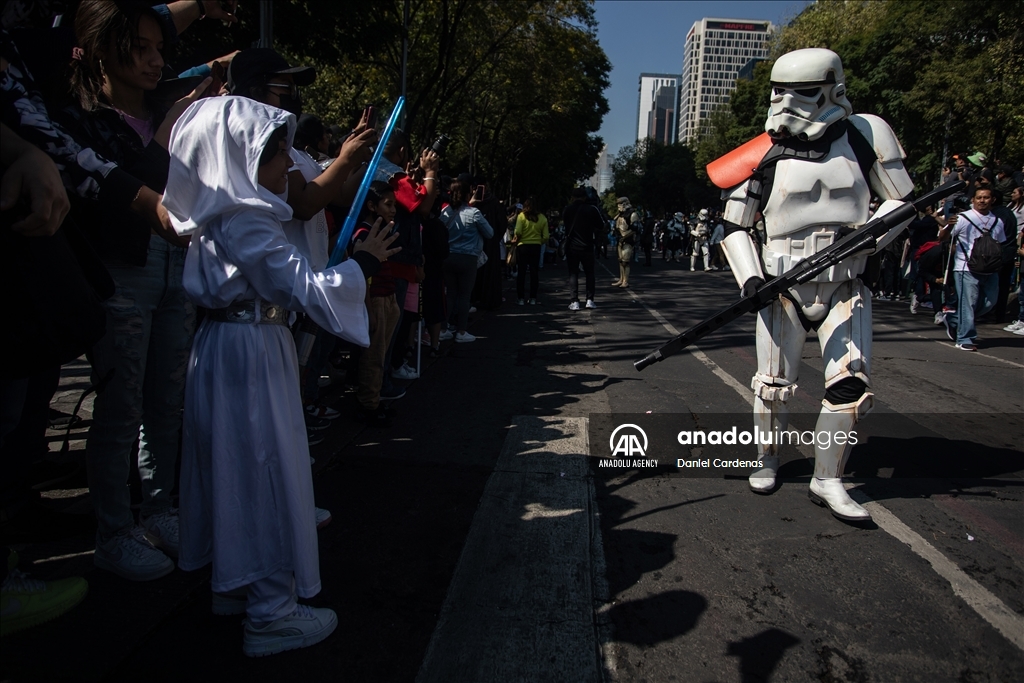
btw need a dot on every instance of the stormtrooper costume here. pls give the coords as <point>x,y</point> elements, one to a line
<point>813,186</point>
<point>624,221</point>
<point>674,232</point>
<point>699,241</point>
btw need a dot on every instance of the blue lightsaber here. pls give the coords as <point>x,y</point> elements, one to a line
<point>341,246</point>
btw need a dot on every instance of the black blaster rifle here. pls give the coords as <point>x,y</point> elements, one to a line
<point>857,241</point>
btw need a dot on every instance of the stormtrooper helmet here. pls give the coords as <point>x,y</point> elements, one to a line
<point>808,94</point>
<point>623,204</point>
<point>703,214</point>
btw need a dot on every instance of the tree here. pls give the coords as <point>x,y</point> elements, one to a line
<point>517,85</point>
<point>945,75</point>
<point>660,178</point>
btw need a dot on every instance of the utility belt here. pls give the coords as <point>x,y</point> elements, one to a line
<point>782,252</point>
<point>255,312</point>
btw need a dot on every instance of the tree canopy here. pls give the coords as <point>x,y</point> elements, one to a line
<point>518,86</point>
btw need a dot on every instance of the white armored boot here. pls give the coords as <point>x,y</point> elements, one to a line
<point>619,281</point>
<point>625,276</point>
<point>827,487</point>
<point>770,413</point>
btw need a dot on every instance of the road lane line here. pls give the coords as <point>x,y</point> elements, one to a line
<point>746,392</point>
<point>949,345</point>
<point>988,606</point>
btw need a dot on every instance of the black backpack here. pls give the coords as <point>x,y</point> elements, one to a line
<point>986,254</point>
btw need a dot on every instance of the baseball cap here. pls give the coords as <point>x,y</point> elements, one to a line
<point>978,159</point>
<point>255,65</point>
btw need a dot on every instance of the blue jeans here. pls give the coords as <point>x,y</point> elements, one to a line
<point>139,369</point>
<point>976,296</point>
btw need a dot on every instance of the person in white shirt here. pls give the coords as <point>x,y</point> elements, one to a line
<point>975,292</point>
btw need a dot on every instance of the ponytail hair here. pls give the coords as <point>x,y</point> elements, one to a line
<point>531,213</point>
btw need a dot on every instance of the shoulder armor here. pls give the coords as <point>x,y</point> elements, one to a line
<point>738,165</point>
<point>880,136</point>
<point>888,177</point>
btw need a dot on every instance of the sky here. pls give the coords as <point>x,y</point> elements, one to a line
<point>648,36</point>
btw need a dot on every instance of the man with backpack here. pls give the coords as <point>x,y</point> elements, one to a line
<point>977,254</point>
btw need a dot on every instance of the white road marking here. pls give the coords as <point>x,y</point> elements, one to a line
<point>983,355</point>
<point>948,345</point>
<point>55,558</point>
<point>694,350</point>
<point>541,511</point>
<point>988,606</point>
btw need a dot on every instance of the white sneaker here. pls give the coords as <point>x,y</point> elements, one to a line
<point>1019,331</point>
<point>533,302</point>
<point>404,372</point>
<point>323,518</point>
<point>1014,326</point>
<point>445,335</point>
<point>131,557</point>
<point>304,627</point>
<point>940,318</point>
<point>574,306</point>
<point>464,337</point>
<point>591,304</point>
<point>521,302</point>
<point>162,530</point>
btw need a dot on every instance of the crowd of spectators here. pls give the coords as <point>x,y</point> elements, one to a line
<point>178,227</point>
<point>172,224</point>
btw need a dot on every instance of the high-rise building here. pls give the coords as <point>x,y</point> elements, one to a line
<point>656,107</point>
<point>602,178</point>
<point>715,51</point>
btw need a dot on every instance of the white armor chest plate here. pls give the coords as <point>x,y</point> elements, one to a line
<point>809,204</point>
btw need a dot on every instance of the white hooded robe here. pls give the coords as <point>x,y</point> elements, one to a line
<point>246,492</point>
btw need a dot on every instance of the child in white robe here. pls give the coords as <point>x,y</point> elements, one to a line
<point>246,492</point>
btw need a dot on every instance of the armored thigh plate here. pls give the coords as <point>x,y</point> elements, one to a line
<point>845,334</point>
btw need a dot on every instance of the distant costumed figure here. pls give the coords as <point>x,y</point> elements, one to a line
<point>625,219</point>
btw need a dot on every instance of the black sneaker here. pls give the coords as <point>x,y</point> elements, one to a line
<point>315,438</point>
<point>950,329</point>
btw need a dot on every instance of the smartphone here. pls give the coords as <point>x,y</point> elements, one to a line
<point>371,117</point>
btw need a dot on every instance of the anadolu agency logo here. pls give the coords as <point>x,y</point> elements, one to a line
<point>628,446</point>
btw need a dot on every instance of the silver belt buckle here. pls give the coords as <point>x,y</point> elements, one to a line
<point>239,314</point>
<point>271,313</point>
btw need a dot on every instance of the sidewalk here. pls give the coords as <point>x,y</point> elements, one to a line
<point>403,500</point>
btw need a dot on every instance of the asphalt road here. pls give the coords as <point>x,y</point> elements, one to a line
<point>710,582</point>
<point>655,577</point>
